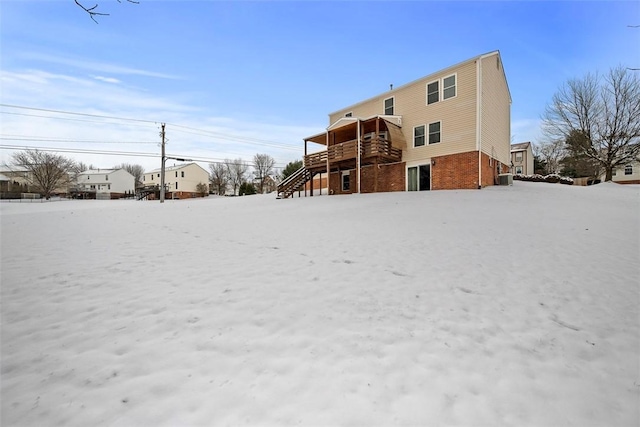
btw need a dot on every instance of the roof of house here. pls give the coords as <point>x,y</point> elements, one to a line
<point>521,146</point>
<point>13,168</point>
<point>97,171</point>
<point>176,167</point>
<point>429,77</point>
<point>4,178</point>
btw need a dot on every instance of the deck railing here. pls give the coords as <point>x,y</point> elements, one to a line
<point>377,147</point>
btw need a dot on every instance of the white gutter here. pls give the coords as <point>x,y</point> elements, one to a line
<point>479,118</point>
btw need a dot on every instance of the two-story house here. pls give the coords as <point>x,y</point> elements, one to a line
<point>105,184</point>
<point>181,181</point>
<point>448,130</point>
<point>522,158</point>
<point>627,174</point>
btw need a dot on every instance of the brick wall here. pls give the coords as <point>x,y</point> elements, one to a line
<point>455,171</point>
<point>460,171</point>
<point>490,170</point>
<point>335,183</point>
<point>390,177</point>
<point>317,183</point>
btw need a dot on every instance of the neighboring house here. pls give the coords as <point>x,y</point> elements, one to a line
<point>628,174</point>
<point>181,180</point>
<point>522,158</point>
<point>19,179</point>
<point>448,130</point>
<point>104,184</point>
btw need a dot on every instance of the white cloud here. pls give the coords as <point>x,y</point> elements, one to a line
<point>107,79</point>
<point>203,136</point>
<point>95,65</point>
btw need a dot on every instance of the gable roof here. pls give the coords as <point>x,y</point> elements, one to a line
<point>98,171</point>
<point>521,146</point>
<point>175,168</point>
<point>429,78</point>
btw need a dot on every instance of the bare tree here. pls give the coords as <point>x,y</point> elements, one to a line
<point>219,173</point>
<point>262,167</point>
<point>604,111</point>
<point>237,170</point>
<point>550,152</point>
<point>136,170</point>
<point>93,12</point>
<point>46,172</point>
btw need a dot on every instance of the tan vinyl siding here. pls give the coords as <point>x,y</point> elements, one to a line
<point>496,110</point>
<point>457,115</point>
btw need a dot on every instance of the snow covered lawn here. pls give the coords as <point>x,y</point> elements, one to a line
<point>506,306</point>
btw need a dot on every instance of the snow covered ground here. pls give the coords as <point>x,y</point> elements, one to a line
<point>506,306</point>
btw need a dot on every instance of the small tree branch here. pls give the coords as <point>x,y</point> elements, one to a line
<point>92,10</point>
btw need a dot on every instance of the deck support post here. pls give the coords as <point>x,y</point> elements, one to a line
<point>358,156</point>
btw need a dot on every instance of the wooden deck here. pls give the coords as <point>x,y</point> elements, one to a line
<point>376,150</point>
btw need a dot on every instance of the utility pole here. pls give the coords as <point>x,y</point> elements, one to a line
<point>162,167</point>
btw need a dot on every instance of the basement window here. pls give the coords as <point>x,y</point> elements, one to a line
<point>346,181</point>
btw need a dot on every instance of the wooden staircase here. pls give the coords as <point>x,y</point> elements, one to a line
<point>294,182</point>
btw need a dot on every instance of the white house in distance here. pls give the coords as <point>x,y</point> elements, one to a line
<point>105,183</point>
<point>522,158</point>
<point>181,180</point>
<point>627,174</point>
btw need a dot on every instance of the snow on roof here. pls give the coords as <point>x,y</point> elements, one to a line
<point>98,171</point>
<point>173,168</point>
<point>521,146</point>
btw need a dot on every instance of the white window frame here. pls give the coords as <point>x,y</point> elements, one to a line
<point>455,86</point>
<point>347,174</point>
<point>519,154</point>
<point>393,105</point>
<point>520,168</point>
<point>429,132</point>
<point>438,92</point>
<point>424,136</point>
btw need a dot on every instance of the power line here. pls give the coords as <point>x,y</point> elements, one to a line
<point>201,132</point>
<point>121,153</point>
<point>60,118</point>
<point>78,114</point>
<point>83,141</point>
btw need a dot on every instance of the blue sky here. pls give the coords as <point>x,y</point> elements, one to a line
<point>247,77</point>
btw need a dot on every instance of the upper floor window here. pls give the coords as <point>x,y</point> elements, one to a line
<point>519,156</point>
<point>418,136</point>
<point>449,87</point>
<point>434,133</point>
<point>182,174</point>
<point>106,177</point>
<point>349,114</point>
<point>388,106</point>
<point>628,170</point>
<point>433,92</point>
<point>176,174</point>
